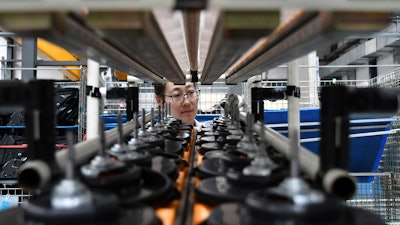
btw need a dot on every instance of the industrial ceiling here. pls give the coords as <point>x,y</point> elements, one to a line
<point>158,40</point>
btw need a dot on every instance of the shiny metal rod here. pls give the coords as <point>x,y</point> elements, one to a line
<point>70,166</point>
<point>336,182</point>
<point>89,148</point>
<point>308,161</point>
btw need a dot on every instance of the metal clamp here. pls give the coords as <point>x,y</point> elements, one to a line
<point>96,93</point>
<point>88,89</point>
<point>292,90</point>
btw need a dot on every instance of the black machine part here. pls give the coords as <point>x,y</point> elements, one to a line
<point>293,202</point>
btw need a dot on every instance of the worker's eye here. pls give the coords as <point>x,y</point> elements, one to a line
<point>176,95</point>
<point>191,93</point>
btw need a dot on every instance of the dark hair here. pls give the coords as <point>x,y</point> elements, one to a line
<point>159,91</point>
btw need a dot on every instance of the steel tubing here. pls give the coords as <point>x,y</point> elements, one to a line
<point>336,181</point>
<point>306,32</point>
<point>232,38</point>
<point>191,22</point>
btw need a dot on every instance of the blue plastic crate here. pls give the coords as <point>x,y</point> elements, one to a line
<point>112,118</point>
<point>365,152</point>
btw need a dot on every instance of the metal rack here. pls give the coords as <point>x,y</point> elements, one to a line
<point>377,196</point>
<point>382,194</point>
<point>11,195</point>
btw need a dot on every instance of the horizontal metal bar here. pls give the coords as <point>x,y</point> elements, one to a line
<point>10,60</point>
<point>343,66</point>
<point>350,66</point>
<point>7,34</point>
<point>367,174</point>
<point>41,68</point>
<point>366,134</point>
<point>60,63</point>
<point>115,5</point>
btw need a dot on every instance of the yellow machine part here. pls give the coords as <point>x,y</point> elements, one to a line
<point>57,53</point>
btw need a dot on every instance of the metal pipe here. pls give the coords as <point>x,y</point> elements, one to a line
<point>191,21</point>
<point>34,175</point>
<point>141,39</point>
<point>308,161</point>
<point>93,103</point>
<point>339,183</point>
<point>232,39</point>
<point>87,149</point>
<point>293,114</point>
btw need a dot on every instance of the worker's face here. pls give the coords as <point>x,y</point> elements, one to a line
<point>186,109</point>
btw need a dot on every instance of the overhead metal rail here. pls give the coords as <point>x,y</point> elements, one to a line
<point>132,41</point>
<point>233,36</point>
<point>138,35</point>
<point>118,5</point>
<point>307,32</point>
<point>64,30</point>
<point>191,22</point>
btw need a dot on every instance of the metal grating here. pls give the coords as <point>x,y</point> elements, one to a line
<point>382,194</point>
<point>377,196</point>
<point>10,195</point>
<point>211,96</point>
<point>82,105</point>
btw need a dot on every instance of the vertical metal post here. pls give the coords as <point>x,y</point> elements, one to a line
<point>40,121</point>
<point>3,68</point>
<point>132,102</point>
<point>293,114</point>
<point>9,74</point>
<point>82,105</point>
<point>334,128</point>
<point>93,102</point>
<point>257,104</point>
<point>7,62</point>
<point>29,56</point>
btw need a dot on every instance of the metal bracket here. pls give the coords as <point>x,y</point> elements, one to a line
<point>88,89</point>
<point>96,93</point>
<point>292,90</point>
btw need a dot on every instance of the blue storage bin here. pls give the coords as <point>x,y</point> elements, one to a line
<point>365,152</point>
<point>206,117</point>
<point>112,118</point>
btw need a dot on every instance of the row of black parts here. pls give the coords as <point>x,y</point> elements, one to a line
<point>250,199</point>
<point>121,195</point>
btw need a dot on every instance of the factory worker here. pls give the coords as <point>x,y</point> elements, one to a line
<point>183,98</point>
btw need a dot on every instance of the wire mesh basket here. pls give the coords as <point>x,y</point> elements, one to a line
<point>12,196</point>
<point>382,194</point>
<point>377,196</point>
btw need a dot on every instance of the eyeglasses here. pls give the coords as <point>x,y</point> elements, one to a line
<point>179,98</point>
